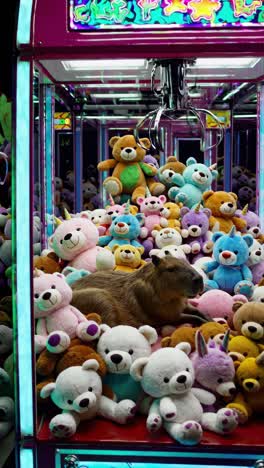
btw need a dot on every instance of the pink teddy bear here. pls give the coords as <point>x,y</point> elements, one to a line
<point>57,320</point>
<point>151,207</point>
<point>75,240</point>
<point>217,304</point>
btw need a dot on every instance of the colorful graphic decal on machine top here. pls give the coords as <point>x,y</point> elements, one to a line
<point>90,14</point>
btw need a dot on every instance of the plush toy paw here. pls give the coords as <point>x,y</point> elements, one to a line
<point>40,343</point>
<point>62,426</point>
<point>125,410</point>
<point>195,248</point>
<point>143,233</point>
<point>157,189</point>
<point>209,284</point>
<point>208,247</point>
<point>58,342</point>
<point>240,411</point>
<point>181,198</point>
<point>188,433</point>
<point>173,192</point>
<point>113,186</point>
<point>244,287</point>
<point>88,331</point>
<point>154,422</point>
<point>226,421</point>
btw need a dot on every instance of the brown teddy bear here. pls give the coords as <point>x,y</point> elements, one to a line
<point>223,206</point>
<point>166,172</point>
<point>130,172</point>
<point>187,334</point>
<point>248,320</point>
<point>49,263</point>
<point>128,258</point>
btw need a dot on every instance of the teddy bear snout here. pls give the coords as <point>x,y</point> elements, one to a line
<point>256,230</point>
<point>181,382</point>
<point>181,379</point>
<point>68,236</point>
<point>226,389</point>
<point>46,296</point>
<point>252,330</point>
<point>251,385</point>
<point>116,358</point>
<point>84,403</point>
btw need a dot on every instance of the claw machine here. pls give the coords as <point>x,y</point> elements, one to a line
<point>86,70</point>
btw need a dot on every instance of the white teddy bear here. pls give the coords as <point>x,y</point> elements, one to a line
<point>78,392</point>
<point>120,346</point>
<point>256,253</point>
<point>166,236</point>
<point>168,376</point>
<point>175,251</point>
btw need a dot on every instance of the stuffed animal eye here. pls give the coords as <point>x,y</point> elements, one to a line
<point>245,354</point>
<point>36,296</point>
<point>195,170</point>
<point>53,286</point>
<point>200,225</point>
<point>262,300</point>
<point>222,202</point>
<point>220,250</point>
<point>106,351</point>
<point>110,212</point>
<point>188,225</point>
<point>258,378</point>
<point>248,227</point>
<point>236,252</point>
<point>187,369</point>
<point>167,252</point>
<point>129,224</point>
<point>90,389</point>
<point>243,322</point>
<point>70,402</point>
<point>166,379</point>
<point>122,147</point>
<point>135,147</point>
<point>131,351</point>
<point>220,380</point>
<point>78,229</point>
<point>61,241</point>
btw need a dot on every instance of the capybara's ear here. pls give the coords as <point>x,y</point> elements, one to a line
<point>156,260</point>
<point>113,141</point>
<point>165,342</point>
<point>237,305</point>
<point>137,368</point>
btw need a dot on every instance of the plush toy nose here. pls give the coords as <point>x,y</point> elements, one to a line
<point>182,379</point>
<point>252,329</point>
<point>230,205</point>
<point>171,174</point>
<point>127,251</point>
<point>202,174</point>
<point>46,296</point>
<point>68,236</point>
<point>116,358</point>
<point>256,230</point>
<point>84,403</point>
<point>166,231</point>
<point>194,229</point>
<point>120,224</point>
<point>249,385</point>
<point>152,202</point>
<point>128,150</point>
<point>232,391</point>
<point>258,253</point>
<point>226,255</point>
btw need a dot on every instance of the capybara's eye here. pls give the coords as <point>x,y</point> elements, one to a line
<point>36,296</point>
<point>166,379</point>
<point>53,286</point>
<point>106,351</point>
<point>131,351</point>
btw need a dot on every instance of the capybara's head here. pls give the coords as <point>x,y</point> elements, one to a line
<point>177,276</point>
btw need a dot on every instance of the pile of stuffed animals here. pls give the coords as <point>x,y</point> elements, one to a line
<point>189,379</point>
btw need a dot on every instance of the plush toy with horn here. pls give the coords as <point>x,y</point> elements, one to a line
<point>189,187</point>
<point>253,226</point>
<point>229,270</point>
<point>195,227</point>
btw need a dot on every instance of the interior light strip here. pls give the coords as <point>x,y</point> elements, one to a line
<point>24,22</point>
<point>23,273</point>
<point>235,91</point>
<point>26,458</point>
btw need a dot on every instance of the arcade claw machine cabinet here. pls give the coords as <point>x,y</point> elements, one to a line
<point>95,64</point>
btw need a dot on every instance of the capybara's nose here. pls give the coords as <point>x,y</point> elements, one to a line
<point>84,403</point>
<point>128,150</point>
<point>68,236</point>
<point>116,358</point>
<point>120,224</point>
<point>230,205</point>
<point>252,329</point>
<point>226,255</point>
<point>46,296</point>
<point>182,379</point>
<point>202,174</point>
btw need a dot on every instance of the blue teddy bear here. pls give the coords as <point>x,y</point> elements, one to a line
<point>230,272</point>
<point>124,229</point>
<point>189,187</point>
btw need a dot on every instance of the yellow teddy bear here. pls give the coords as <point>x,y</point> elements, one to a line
<point>250,379</point>
<point>128,258</point>
<point>240,347</point>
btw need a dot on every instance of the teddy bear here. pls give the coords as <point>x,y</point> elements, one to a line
<point>127,258</point>
<point>258,293</point>
<point>57,320</point>
<point>253,226</point>
<point>240,347</point>
<point>125,229</point>
<point>49,263</point>
<point>170,168</point>
<point>6,339</point>
<point>6,311</point>
<point>75,240</point>
<point>171,211</point>
<point>256,253</point>
<point>7,415</point>
<point>217,304</point>
<point>214,368</point>
<point>176,251</point>
<point>245,196</point>
<point>195,227</point>
<point>78,392</point>
<point>129,169</point>
<point>89,190</point>
<point>223,206</point>
<point>99,218</point>
<point>151,207</point>
<point>119,347</point>
<point>230,272</point>
<point>210,330</point>
<point>166,236</point>
<point>249,399</point>
<point>188,188</point>
<point>248,320</point>
<point>168,377</point>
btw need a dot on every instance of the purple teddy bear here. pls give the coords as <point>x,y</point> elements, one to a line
<point>195,227</point>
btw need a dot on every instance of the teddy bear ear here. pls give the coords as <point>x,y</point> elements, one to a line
<point>185,347</point>
<point>194,302</point>
<point>260,359</point>
<point>207,212</point>
<point>113,141</point>
<point>234,195</point>
<point>145,142</point>
<point>191,161</point>
<point>137,368</point>
<point>104,328</point>
<point>207,194</point>
<point>68,270</point>
<point>237,305</point>
<point>248,239</point>
<point>115,247</point>
<point>140,200</point>
<point>91,364</point>
<point>154,233</point>
<point>162,198</point>
<point>59,275</point>
<point>149,333</point>
<point>240,298</point>
<point>165,342</point>
<point>184,211</point>
<point>217,235</point>
<point>47,390</point>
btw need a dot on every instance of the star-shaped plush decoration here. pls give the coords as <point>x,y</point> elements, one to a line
<point>204,9</point>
